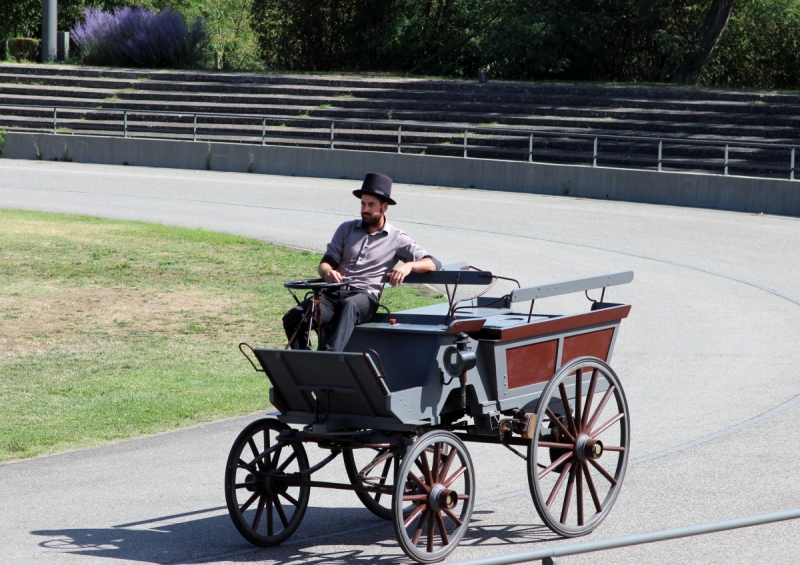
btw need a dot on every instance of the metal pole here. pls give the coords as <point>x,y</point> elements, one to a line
<point>55,118</point>
<point>49,29</point>
<point>726,159</point>
<point>399,138</point>
<point>263,131</point>
<point>659,156</point>
<point>791,167</point>
<point>530,149</point>
<point>331,135</point>
<point>594,154</point>
<point>635,539</point>
<point>125,123</point>
<point>194,129</point>
<point>465,144</point>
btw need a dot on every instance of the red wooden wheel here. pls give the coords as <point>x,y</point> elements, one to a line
<point>579,453</point>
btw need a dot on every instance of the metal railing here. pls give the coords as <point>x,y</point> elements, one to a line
<point>495,139</point>
<point>548,555</point>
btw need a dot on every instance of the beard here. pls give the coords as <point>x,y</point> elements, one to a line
<point>371,220</point>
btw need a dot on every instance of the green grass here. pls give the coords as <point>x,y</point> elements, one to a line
<point>116,329</point>
<point>488,124</point>
<point>345,96</point>
<point>63,130</point>
<point>322,107</point>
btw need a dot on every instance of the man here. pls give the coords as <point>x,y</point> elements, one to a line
<point>365,251</point>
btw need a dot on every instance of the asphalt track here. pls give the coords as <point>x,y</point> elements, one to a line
<point>709,360</point>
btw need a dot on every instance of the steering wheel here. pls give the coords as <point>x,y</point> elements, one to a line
<point>315,284</point>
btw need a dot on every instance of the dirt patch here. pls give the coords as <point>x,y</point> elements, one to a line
<point>37,323</point>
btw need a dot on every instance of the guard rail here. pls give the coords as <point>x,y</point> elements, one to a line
<point>493,142</point>
<point>549,555</point>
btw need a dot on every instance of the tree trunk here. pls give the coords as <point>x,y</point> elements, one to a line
<point>707,38</point>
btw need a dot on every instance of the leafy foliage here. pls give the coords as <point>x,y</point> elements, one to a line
<point>608,40</point>
<point>138,37</point>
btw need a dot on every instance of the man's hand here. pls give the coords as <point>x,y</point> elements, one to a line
<point>333,276</point>
<point>328,273</point>
<point>399,273</point>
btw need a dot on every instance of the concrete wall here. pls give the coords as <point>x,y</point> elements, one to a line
<point>679,189</point>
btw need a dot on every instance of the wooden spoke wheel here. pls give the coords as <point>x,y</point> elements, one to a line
<point>381,474</point>
<point>579,453</point>
<point>438,478</point>
<point>263,505</point>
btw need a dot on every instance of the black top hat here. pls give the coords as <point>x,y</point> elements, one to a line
<point>378,185</point>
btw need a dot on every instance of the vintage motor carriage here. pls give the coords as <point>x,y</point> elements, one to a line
<point>414,387</point>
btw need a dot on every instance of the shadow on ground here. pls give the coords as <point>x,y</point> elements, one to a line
<point>184,538</point>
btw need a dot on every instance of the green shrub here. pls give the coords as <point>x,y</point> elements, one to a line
<point>24,49</point>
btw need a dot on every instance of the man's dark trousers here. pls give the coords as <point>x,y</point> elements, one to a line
<point>342,310</point>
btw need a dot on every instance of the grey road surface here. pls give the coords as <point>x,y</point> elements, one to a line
<point>709,360</point>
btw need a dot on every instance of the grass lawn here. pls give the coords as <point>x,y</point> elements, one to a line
<point>111,330</point>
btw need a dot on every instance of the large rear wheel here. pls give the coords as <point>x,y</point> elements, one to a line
<point>579,453</point>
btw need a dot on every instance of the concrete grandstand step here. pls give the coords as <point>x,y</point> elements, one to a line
<point>424,108</point>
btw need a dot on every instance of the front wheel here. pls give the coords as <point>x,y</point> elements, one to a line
<point>580,447</point>
<point>263,505</point>
<point>438,479</point>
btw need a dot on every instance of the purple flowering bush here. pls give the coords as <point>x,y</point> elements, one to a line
<point>138,37</point>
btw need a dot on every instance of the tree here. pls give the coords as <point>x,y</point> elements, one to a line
<point>707,38</point>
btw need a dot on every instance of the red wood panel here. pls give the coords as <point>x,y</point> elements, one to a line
<point>531,364</point>
<point>595,344</point>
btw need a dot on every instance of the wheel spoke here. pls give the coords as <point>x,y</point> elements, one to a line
<point>592,490</point>
<point>557,445</point>
<point>270,524</point>
<point>462,497</point>
<point>559,425</point>
<point>384,476</point>
<point>589,396</point>
<point>453,517</point>
<point>442,529</point>
<point>454,476</point>
<point>250,501</point>
<point>286,463</point>
<point>425,467</point>
<point>555,464</point>
<point>613,448</point>
<point>291,499</point>
<point>448,462</point>
<point>431,531</point>
<point>259,511</point>
<point>567,411</point>
<point>578,391</point>
<point>568,496</point>
<point>414,514</point>
<point>579,493</point>
<point>559,482</point>
<point>420,526</point>
<point>419,482</point>
<point>437,461</point>
<point>607,425</point>
<point>281,513</point>
<point>410,497</point>
<point>603,472</point>
<point>276,456</point>
<point>600,408</point>
<point>253,447</point>
<point>242,465</point>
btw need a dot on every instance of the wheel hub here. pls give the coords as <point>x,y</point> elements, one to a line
<point>442,498</point>
<point>276,485</point>
<point>588,448</point>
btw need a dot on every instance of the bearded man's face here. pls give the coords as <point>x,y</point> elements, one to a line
<point>372,211</point>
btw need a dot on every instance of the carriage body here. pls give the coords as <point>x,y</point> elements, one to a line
<point>397,390</point>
